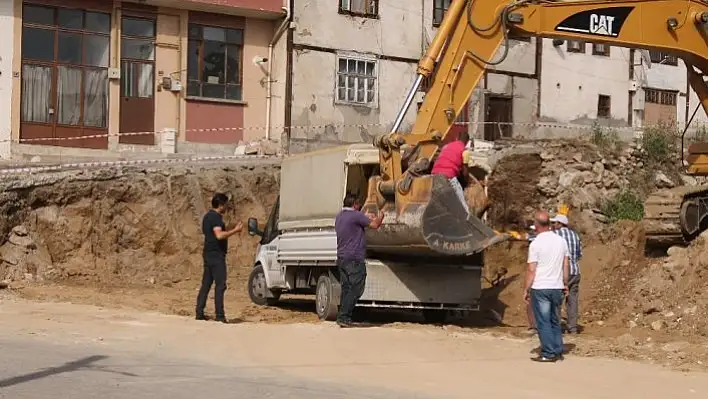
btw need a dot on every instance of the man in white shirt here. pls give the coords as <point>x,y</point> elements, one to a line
<point>546,285</point>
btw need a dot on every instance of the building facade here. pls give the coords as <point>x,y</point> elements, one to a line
<point>106,77</point>
<point>663,93</point>
<point>148,76</point>
<point>347,65</point>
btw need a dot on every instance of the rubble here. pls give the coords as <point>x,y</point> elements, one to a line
<point>672,292</point>
<point>259,147</point>
<point>579,174</point>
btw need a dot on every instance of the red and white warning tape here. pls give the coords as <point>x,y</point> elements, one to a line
<point>323,126</point>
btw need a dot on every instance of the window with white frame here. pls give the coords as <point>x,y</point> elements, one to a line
<point>366,8</point>
<point>356,81</point>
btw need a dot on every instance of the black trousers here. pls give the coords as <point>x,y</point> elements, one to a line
<point>214,272</point>
<point>352,276</point>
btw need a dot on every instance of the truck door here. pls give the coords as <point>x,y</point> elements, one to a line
<point>269,244</point>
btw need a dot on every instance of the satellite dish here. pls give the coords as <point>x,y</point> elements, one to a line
<point>646,57</point>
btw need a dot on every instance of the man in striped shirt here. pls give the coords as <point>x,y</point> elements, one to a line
<point>575,249</point>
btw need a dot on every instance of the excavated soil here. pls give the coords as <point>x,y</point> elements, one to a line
<point>131,237</point>
<point>512,191</point>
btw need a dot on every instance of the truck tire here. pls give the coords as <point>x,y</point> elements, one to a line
<point>258,289</point>
<point>325,301</point>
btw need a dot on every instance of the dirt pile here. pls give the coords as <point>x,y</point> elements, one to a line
<point>672,293</point>
<point>130,231</point>
<point>512,190</point>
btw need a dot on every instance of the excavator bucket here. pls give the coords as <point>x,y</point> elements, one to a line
<point>434,224</point>
<point>446,227</point>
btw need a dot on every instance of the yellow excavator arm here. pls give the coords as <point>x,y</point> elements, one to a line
<point>466,43</point>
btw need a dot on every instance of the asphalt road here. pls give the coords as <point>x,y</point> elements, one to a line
<point>53,350</point>
<point>36,369</point>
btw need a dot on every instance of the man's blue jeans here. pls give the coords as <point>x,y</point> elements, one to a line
<point>546,304</point>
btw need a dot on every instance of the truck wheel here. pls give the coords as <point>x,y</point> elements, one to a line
<point>258,288</point>
<point>434,316</point>
<point>324,301</point>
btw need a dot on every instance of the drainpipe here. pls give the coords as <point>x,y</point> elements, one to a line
<point>269,89</point>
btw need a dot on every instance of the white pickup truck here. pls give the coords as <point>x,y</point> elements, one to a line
<point>297,251</point>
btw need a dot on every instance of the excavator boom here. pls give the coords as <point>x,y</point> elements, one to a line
<point>467,41</point>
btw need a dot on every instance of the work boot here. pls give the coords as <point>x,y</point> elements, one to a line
<point>201,317</point>
<point>543,359</point>
<point>345,324</point>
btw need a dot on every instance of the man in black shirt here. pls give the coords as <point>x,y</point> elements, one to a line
<point>214,254</point>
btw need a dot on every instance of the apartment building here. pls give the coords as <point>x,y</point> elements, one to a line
<point>343,70</point>
<point>105,77</point>
<point>343,73</point>
<point>98,77</point>
<point>663,93</point>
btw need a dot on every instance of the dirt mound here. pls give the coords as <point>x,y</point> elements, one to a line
<point>608,269</point>
<point>512,190</point>
<point>609,265</point>
<point>672,293</point>
<point>129,236</point>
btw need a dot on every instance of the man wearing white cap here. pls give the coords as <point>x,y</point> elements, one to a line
<point>575,249</point>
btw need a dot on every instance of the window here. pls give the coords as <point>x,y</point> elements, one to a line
<point>439,9</point>
<point>65,55</point>
<point>663,58</point>
<point>603,106</point>
<point>137,57</point>
<point>576,46</point>
<point>356,81</point>
<point>214,63</point>
<point>601,49</point>
<point>657,96</point>
<point>364,8</point>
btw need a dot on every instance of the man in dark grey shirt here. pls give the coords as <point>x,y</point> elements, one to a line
<point>214,254</point>
<point>351,254</point>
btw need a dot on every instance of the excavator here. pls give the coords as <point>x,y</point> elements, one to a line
<point>422,213</point>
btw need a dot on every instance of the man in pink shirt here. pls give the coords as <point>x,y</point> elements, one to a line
<point>450,164</point>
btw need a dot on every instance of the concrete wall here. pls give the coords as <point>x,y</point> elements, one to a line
<point>321,34</point>
<point>7,15</point>
<point>320,122</point>
<point>396,32</point>
<point>571,83</point>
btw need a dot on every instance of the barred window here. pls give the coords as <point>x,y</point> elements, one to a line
<point>657,96</point>
<point>356,81</point>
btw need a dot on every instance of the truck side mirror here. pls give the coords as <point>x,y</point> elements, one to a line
<point>253,227</point>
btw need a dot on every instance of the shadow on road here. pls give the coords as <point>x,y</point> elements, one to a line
<point>86,363</point>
